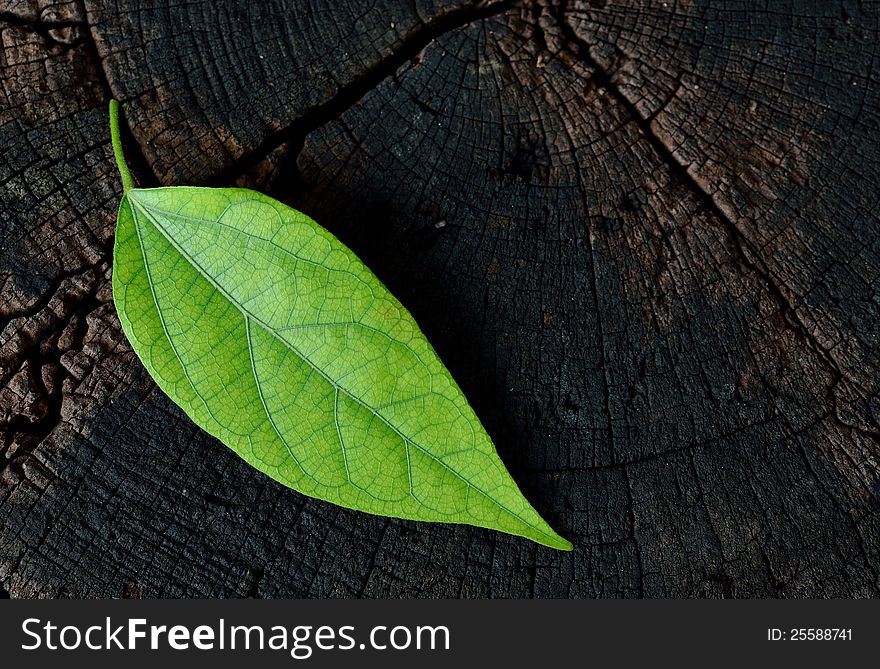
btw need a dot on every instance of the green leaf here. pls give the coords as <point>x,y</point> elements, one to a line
<point>273,337</point>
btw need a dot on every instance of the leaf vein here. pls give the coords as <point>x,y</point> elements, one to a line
<point>183,368</point>
<point>268,413</point>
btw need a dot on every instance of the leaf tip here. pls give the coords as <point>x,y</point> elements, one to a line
<point>561,544</point>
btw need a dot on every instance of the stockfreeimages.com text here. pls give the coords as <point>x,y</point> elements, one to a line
<point>300,641</point>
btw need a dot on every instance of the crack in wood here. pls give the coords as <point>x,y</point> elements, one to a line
<point>39,26</point>
<point>746,252</point>
<point>349,95</point>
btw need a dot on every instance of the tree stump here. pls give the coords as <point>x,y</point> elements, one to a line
<point>642,235</point>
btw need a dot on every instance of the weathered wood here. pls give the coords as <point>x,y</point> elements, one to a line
<point>642,235</point>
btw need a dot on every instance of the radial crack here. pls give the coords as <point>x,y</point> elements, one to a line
<point>747,253</point>
<point>295,133</point>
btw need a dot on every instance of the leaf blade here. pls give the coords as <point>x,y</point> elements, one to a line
<point>355,407</point>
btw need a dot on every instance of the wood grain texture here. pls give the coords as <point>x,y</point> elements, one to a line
<point>643,236</point>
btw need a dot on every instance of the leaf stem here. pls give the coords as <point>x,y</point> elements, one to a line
<point>127,181</point>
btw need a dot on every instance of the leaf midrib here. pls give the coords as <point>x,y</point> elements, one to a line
<point>246,315</point>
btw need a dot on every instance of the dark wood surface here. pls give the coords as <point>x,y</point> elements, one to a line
<point>642,235</point>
